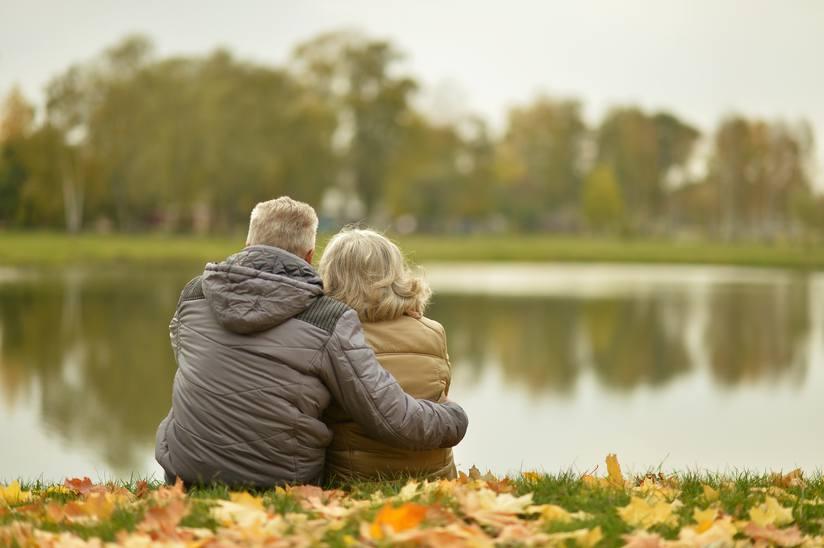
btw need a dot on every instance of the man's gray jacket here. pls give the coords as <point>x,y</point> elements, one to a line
<point>261,352</point>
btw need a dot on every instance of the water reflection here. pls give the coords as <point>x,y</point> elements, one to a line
<point>90,353</point>
<point>93,352</point>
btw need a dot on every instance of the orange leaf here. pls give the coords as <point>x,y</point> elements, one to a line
<point>791,536</point>
<point>405,516</point>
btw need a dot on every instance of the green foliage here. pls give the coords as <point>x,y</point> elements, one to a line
<point>132,141</point>
<point>602,202</point>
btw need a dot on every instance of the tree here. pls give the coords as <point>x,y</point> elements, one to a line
<point>602,203</point>
<point>16,123</point>
<point>356,76</point>
<point>642,150</point>
<point>539,161</point>
<point>760,170</point>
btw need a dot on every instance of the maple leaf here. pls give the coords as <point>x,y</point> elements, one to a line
<point>454,535</point>
<point>245,499</point>
<point>709,531</point>
<point>229,514</point>
<point>551,513</point>
<point>585,538</point>
<point>160,522</point>
<point>82,486</point>
<point>95,507</point>
<point>392,520</point>
<point>614,475</point>
<point>710,494</point>
<point>794,478</point>
<point>646,512</point>
<point>791,536</point>
<point>643,539</point>
<point>142,489</point>
<point>770,512</point>
<point>650,487</point>
<point>13,494</point>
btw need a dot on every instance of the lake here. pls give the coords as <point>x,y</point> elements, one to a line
<point>557,365</point>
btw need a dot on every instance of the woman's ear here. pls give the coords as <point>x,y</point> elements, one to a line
<point>309,256</point>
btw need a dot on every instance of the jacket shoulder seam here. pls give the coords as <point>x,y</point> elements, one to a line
<point>323,313</point>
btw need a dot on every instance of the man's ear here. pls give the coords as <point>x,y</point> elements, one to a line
<point>309,256</point>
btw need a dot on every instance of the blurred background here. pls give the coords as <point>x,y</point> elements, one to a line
<point>493,140</point>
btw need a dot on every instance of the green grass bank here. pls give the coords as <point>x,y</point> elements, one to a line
<point>54,249</point>
<point>566,509</point>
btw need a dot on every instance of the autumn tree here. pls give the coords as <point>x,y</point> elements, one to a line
<point>643,151</point>
<point>358,77</point>
<point>16,124</point>
<point>540,162</point>
<point>602,204</point>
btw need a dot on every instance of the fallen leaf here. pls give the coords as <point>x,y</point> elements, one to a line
<point>391,520</point>
<point>710,494</point>
<point>770,512</point>
<point>791,536</point>
<point>142,489</point>
<point>585,538</point>
<point>245,499</point>
<point>719,532</point>
<point>13,494</point>
<point>551,513</point>
<point>645,513</point>
<point>614,475</point>
<point>793,478</point>
<point>531,477</point>
<point>643,539</point>
<point>160,522</point>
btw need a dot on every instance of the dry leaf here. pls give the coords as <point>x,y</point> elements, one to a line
<point>770,512</point>
<point>790,536</point>
<point>614,475</point>
<point>645,513</point>
<point>710,494</point>
<point>390,520</point>
<point>12,494</point>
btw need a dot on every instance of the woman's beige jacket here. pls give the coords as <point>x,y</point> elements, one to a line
<point>414,351</point>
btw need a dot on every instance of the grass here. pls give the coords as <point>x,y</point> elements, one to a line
<point>734,497</point>
<point>46,249</point>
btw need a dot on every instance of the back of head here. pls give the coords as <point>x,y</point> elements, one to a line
<point>284,223</point>
<point>368,272</point>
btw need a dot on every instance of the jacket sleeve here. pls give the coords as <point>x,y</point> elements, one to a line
<point>375,400</point>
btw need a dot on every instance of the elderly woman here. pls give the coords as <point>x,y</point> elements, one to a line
<point>367,272</point>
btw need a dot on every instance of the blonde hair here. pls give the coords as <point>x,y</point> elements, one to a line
<point>284,223</point>
<point>367,271</point>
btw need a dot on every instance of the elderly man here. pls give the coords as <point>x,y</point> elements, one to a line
<point>261,353</point>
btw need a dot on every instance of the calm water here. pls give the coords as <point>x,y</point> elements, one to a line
<point>557,365</point>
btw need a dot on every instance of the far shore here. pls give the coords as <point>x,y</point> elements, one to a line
<point>51,249</point>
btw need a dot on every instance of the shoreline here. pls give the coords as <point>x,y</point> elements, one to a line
<point>46,249</point>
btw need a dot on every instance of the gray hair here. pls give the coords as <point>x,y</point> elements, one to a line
<point>368,272</point>
<point>284,223</point>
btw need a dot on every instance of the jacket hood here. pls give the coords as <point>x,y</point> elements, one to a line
<point>259,287</point>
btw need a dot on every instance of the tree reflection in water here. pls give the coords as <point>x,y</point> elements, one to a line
<point>92,352</point>
<point>95,354</point>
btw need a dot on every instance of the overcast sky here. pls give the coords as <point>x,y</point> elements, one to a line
<point>698,58</point>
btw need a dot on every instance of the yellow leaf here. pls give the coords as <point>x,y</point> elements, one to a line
<point>13,494</point>
<point>718,533</point>
<point>614,474</point>
<point>770,512</point>
<point>395,520</point>
<point>704,518</point>
<point>245,499</point>
<point>531,477</point>
<point>645,513</point>
<point>585,538</point>
<point>710,494</point>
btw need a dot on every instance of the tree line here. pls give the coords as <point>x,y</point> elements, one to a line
<point>130,141</point>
